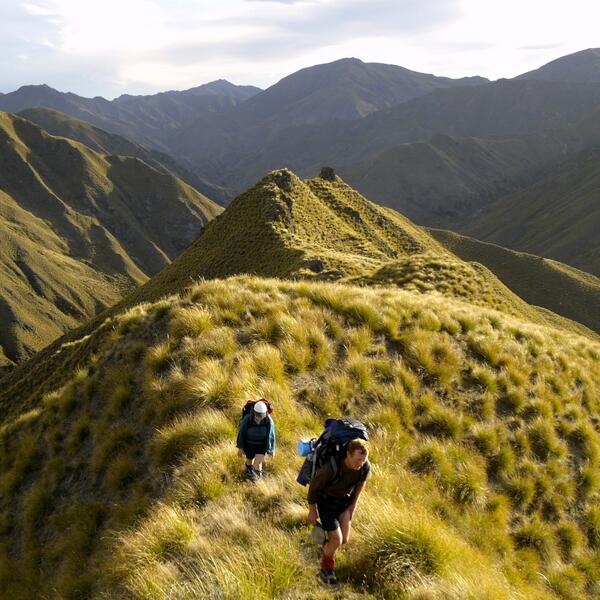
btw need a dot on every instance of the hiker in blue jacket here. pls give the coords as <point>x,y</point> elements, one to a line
<point>256,438</point>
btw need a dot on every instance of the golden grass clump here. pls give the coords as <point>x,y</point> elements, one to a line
<point>190,322</point>
<point>182,436</point>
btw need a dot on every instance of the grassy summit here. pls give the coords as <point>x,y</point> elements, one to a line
<point>323,229</point>
<point>124,482</point>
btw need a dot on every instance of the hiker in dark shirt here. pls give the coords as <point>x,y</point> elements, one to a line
<point>333,498</point>
<point>256,437</point>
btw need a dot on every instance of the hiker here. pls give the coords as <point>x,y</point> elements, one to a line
<point>256,437</point>
<point>332,498</point>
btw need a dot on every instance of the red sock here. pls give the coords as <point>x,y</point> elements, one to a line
<point>327,563</point>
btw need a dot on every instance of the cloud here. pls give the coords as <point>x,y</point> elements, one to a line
<point>550,46</point>
<point>142,46</point>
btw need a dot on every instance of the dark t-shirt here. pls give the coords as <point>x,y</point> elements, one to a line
<point>323,486</point>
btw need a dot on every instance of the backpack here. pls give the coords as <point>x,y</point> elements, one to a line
<point>249,406</point>
<point>330,447</point>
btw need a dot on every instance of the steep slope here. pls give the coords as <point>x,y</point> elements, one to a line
<point>60,124</point>
<point>539,281</point>
<point>557,217</point>
<point>583,66</point>
<point>124,482</point>
<point>78,229</point>
<point>438,181</point>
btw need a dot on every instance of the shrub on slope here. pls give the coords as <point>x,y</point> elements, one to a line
<point>485,446</point>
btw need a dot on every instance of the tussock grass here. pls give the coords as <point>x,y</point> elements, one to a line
<point>485,455</point>
<point>186,433</point>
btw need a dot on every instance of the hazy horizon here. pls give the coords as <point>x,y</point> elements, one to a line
<point>148,46</point>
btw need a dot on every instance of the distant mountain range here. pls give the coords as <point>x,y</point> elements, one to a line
<point>79,228</point>
<point>462,153</point>
<point>205,126</point>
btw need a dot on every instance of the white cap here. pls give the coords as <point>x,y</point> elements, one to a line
<point>260,407</point>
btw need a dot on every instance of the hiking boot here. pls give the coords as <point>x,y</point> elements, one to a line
<point>327,577</point>
<point>259,474</point>
<point>250,473</point>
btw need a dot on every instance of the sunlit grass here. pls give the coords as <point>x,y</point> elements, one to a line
<point>485,455</point>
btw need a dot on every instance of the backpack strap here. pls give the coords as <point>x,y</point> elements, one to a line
<point>335,467</point>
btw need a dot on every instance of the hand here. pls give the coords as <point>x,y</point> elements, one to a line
<point>312,515</point>
<point>240,452</point>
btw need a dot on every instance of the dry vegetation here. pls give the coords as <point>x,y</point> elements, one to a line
<point>485,446</point>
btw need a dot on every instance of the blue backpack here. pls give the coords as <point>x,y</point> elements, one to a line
<point>330,447</point>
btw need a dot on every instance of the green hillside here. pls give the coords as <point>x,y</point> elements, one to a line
<point>557,217</point>
<point>79,228</point>
<point>539,281</point>
<point>60,124</point>
<point>438,181</point>
<point>124,482</point>
<point>316,229</point>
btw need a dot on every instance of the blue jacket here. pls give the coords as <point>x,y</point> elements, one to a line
<point>241,437</point>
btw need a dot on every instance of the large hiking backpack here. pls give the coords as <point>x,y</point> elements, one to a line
<point>330,447</point>
<point>249,406</point>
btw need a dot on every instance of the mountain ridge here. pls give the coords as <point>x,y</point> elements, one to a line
<point>80,228</point>
<point>558,216</point>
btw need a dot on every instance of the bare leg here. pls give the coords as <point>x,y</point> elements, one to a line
<point>345,525</point>
<point>334,541</point>
<point>259,460</point>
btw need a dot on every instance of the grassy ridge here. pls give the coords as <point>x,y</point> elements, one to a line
<point>125,483</point>
<point>316,229</point>
<point>557,217</point>
<point>79,229</point>
<point>62,125</point>
<point>322,229</point>
<point>539,281</point>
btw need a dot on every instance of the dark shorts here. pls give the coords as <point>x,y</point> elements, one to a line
<point>330,510</point>
<point>251,450</point>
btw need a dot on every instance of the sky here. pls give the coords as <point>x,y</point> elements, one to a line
<point>110,47</point>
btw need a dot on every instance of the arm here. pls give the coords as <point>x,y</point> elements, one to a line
<point>355,495</point>
<point>242,432</point>
<point>272,439</point>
